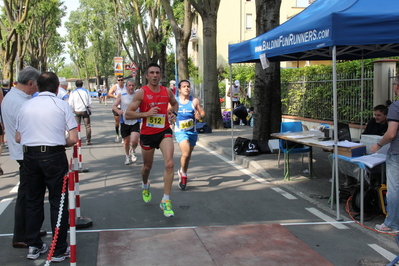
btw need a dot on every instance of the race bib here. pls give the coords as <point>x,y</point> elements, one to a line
<point>186,124</point>
<point>156,121</point>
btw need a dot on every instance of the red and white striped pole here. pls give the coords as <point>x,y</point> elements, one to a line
<point>79,162</point>
<point>81,222</point>
<point>72,218</point>
<point>76,181</point>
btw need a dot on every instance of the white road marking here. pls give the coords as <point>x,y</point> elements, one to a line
<point>385,253</point>
<point>240,168</point>
<point>284,193</point>
<point>326,218</point>
<point>313,223</point>
<point>15,189</point>
<point>4,204</point>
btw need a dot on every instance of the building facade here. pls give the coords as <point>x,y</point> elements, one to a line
<point>237,23</point>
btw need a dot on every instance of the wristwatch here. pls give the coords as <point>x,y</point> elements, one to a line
<point>379,145</point>
<point>175,113</point>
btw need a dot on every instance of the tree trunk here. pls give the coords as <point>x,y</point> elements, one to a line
<point>267,107</point>
<point>208,9</point>
<point>211,90</point>
<point>182,36</point>
<point>7,72</point>
<point>182,58</point>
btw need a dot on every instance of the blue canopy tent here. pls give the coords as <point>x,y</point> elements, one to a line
<point>357,28</point>
<point>328,30</point>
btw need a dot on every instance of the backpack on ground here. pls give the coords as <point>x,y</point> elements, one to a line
<point>227,124</point>
<point>240,145</point>
<point>247,147</point>
<point>252,148</point>
<point>203,128</point>
<point>226,116</point>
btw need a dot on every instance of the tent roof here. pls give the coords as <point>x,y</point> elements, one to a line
<point>356,27</point>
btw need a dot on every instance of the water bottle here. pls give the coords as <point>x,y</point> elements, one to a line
<point>121,119</point>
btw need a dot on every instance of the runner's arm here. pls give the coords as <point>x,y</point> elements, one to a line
<point>174,106</point>
<point>112,91</point>
<point>200,113</point>
<point>116,103</point>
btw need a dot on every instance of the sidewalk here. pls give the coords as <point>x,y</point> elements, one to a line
<point>316,189</point>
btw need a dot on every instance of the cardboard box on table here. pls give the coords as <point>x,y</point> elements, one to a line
<point>354,151</point>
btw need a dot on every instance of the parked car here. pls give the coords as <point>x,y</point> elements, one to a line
<point>93,94</point>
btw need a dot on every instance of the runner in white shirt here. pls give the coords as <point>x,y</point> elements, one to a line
<point>130,129</point>
<point>113,93</point>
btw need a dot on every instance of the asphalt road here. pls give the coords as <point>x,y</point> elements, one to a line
<point>220,193</point>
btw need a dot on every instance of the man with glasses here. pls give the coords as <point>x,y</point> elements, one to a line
<point>391,222</point>
<point>113,93</point>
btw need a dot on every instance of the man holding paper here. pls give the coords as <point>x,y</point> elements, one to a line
<point>391,222</point>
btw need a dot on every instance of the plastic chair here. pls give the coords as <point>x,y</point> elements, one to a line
<point>290,127</point>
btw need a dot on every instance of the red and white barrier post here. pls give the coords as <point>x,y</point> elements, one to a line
<point>72,218</point>
<point>81,222</point>
<point>79,157</point>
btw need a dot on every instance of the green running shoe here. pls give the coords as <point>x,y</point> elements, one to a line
<point>146,194</point>
<point>166,206</point>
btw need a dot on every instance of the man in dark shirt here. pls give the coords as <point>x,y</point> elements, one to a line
<point>378,124</point>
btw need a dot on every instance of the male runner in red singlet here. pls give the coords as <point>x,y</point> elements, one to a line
<point>157,105</point>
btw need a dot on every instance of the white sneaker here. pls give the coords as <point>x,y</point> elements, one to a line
<point>62,257</point>
<point>117,138</point>
<point>127,160</point>
<point>133,157</point>
<point>35,252</point>
<point>123,141</point>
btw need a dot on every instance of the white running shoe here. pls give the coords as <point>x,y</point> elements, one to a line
<point>133,157</point>
<point>128,160</point>
<point>117,138</point>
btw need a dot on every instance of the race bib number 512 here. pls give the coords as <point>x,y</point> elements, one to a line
<point>156,121</point>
